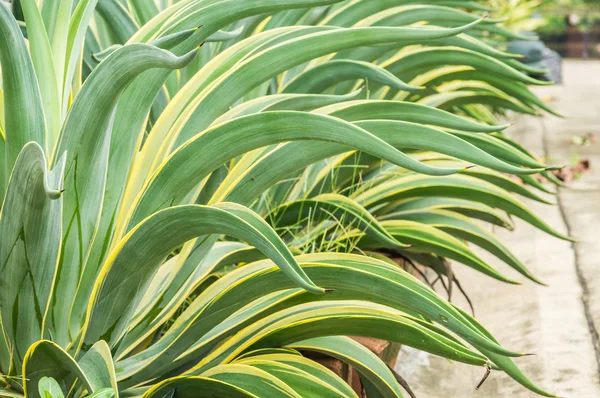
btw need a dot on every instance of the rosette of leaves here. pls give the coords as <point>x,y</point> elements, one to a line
<point>137,134</point>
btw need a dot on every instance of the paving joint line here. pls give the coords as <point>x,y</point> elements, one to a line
<point>585,297</point>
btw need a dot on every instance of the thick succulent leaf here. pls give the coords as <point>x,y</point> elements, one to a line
<point>161,302</point>
<point>506,183</point>
<point>515,89</point>
<point>251,379</point>
<point>48,387</point>
<point>429,57</point>
<point>407,112</point>
<point>179,174</point>
<point>416,136</point>
<point>327,318</point>
<point>43,61</point>
<point>144,11</point>
<point>304,377</point>
<point>462,227</point>
<point>354,11</point>
<point>323,76</point>
<point>461,187</point>
<point>117,293</point>
<point>357,356</point>
<point>501,150</point>
<point>298,361</point>
<point>268,63</point>
<point>331,206</point>
<point>122,144</point>
<point>23,113</point>
<point>439,16</point>
<point>181,346</point>
<point>86,138</point>
<point>352,277</point>
<point>188,387</point>
<point>285,102</point>
<point>475,210</point>
<point>75,37</point>
<point>47,359</point>
<point>449,100</point>
<point>426,239</point>
<point>30,233</point>
<point>98,367</point>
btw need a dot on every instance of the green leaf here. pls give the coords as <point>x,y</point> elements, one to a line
<point>30,230</point>
<point>46,359</point>
<point>116,293</point>
<point>85,138</point>
<point>23,110</point>
<point>251,379</point>
<point>97,364</point>
<point>356,355</point>
<point>43,61</point>
<point>306,380</point>
<point>331,206</point>
<point>461,187</point>
<point>49,388</point>
<point>188,387</point>
<point>323,76</point>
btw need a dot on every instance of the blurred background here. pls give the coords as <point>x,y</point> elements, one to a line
<point>569,27</point>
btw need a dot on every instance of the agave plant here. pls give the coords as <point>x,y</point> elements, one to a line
<point>137,134</point>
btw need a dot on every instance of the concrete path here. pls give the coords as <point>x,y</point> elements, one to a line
<point>558,323</point>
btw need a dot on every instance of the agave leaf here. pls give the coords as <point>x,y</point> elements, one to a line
<point>179,174</point>
<point>319,78</point>
<point>506,183</point>
<point>43,61</point>
<point>328,318</point>
<point>259,68</point>
<point>331,206</point>
<point>97,364</point>
<point>285,102</point>
<point>433,14</point>
<point>144,11</point>
<point>354,111</point>
<point>416,136</point>
<point>75,37</point>
<point>304,376</point>
<point>467,208</point>
<point>462,227</point>
<point>30,229</point>
<point>251,379</point>
<point>307,365</point>
<point>356,355</point>
<point>501,150</point>
<point>85,138</point>
<point>23,113</point>
<point>181,347</point>
<point>390,286</point>
<point>514,89</point>
<point>449,100</point>
<point>188,387</point>
<point>162,233</point>
<point>122,24</point>
<point>427,239</point>
<point>429,57</point>
<point>161,305</point>
<point>460,187</point>
<point>47,359</point>
<point>49,388</point>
